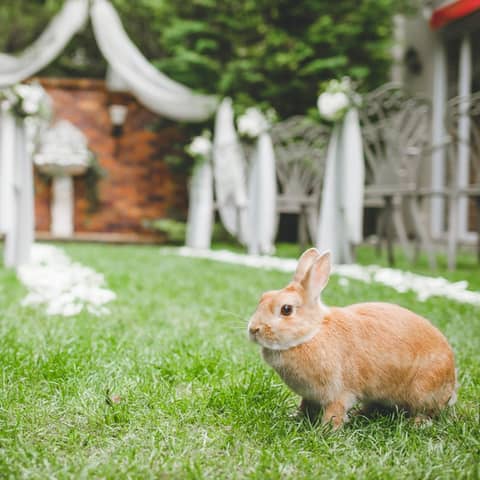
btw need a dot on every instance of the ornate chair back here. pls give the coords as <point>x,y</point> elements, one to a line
<point>396,130</point>
<point>300,146</point>
<point>300,149</point>
<point>460,109</point>
<point>463,115</point>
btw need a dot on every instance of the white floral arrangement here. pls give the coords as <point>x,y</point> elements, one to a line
<point>27,101</point>
<point>254,122</point>
<point>200,147</point>
<point>337,98</point>
<point>63,150</point>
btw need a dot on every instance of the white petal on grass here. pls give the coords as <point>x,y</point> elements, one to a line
<point>63,287</point>
<point>402,281</point>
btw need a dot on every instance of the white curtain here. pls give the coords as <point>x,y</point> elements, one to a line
<point>7,149</point>
<point>229,171</point>
<point>20,229</point>
<point>16,171</point>
<point>200,208</point>
<point>262,193</point>
<point>16,68</point>
<point>341,211</point>
<point>155,90</point>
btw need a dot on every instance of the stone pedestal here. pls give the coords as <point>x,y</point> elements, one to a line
<point>62,206</point>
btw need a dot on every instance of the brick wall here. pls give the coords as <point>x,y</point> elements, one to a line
<point>139,185</point>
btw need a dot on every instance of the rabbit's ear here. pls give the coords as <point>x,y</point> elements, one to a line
<point>304,263</point>
<point>317,277</point>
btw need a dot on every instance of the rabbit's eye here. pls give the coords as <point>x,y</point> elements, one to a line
<point>286,310</point>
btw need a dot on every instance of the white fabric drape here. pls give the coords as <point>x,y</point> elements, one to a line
<point>7,149</point>
<point>200,208</point>
<point>341,211</point>
<point>16,68</point>
<point>262,196</point>
<point>229,172</point>
<point>16,175</point>
<point>155,90</point>
<point>19,235</point>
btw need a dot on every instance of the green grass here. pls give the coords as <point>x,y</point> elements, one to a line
<point>196,400</point>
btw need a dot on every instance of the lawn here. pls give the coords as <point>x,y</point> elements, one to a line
<point>167,385</point>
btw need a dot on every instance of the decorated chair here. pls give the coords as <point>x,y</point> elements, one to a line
<point>395,131</point>
<point>463,125</point>
<point>300,146</point>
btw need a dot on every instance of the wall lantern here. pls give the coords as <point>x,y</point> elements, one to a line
<point>118,115</point>
<point>412,61</point>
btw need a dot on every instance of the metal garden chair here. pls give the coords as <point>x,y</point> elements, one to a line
<point>395,130</point>
<point>300,150</point>
<point>463,114</point>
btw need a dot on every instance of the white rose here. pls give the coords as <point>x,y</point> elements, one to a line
<point>200,146</point>
<point>36,93</point>
<point>30,107</point>
<point>22,90</point>
<point>252,123</point>
<point>9,96</point>
<point>331,105</point>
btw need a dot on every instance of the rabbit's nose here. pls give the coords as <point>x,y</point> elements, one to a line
<point>254,330</point>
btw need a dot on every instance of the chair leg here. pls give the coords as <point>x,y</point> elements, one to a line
<point>302,229</point>
<point>399,225</point>
<point>389,226</point>
<point>416,250</point>
<point>452,232</point>
<point>312,217</point>
<point>421,232</point>
<point>477,203</point>
<point>381,221</point>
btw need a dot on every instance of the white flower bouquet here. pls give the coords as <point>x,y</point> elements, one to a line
<point>253,122</point>
<point>27,100</point>
<point>337,98</point>
<point>200,147</point>
<point>63,151</point>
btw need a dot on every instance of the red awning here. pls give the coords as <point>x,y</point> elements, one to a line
<point>453,11</point>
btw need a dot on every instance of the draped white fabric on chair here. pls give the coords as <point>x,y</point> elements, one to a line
<point>7,152</point>
<point>21,227</point>
<point>155,90</point>
<point>200,209</point>
<point>262,196</point>
<point>229,169</point>
<point>341,211</point>
<point>16,176</point>
<point>16,68</point>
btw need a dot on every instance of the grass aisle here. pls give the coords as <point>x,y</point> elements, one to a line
<point>168,386</point>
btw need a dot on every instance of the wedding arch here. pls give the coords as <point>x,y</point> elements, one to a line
<point>243,209</point>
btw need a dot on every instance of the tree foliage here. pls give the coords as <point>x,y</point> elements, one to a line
<point>274,52</point>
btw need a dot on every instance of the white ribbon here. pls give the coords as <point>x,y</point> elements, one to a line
<point>200,208</point>
<point>262,196</point>
<point>7,152</point>
<point>229,172</point>
<point>155,90</point>
<point>21,228</point>
<point>70,19</point>
<point>341,210</point>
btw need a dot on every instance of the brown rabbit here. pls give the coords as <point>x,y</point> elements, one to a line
<point>374,353</point>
